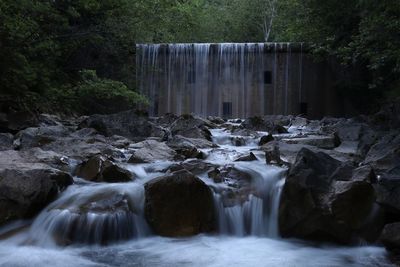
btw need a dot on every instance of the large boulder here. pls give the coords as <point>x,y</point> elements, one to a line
<point>99,169</point>
<point>195,166</point>
<point>390,236</point>
<point>321,201</point>
<point>189,147</point>
<point>37,137</point>
<point>151,151</point>
<point>320,141</point>
<point>388,192</point>
<point>385,154</point>
<point>238,185</point>
<point>192,127</point>
<point>127,124</point>
<point>179,204</point>
<point>355,137</point>
<point>259,124</point>
<point>25,189</point>
<point>94,215</point>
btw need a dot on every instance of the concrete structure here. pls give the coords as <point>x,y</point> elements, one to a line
<point>235,80</point>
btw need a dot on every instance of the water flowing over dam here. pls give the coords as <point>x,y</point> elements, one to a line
<point>234,79</point>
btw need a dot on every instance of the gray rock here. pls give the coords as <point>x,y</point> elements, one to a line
<point>249,157</point>
<point>321,201</point>
<point>191,127</point>
<point>25,188</point>
<point>320,141</point>
<point>179,204</point>
<point>266,139</point>
<point>151,151</point>
<point>388,192</point>
<point>390,236</point>
<point>127,124</point>
<point>38,137</point>
<point>385,154</point>
<point>99,169</point>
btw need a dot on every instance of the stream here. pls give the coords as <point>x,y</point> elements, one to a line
<point>89,214</point>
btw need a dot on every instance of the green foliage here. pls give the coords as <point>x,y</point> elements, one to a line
<point>45,44</point>
<point>95,95</point>
<point>361,34</point>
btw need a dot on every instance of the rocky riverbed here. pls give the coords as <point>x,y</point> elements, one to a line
<point>107,179</point>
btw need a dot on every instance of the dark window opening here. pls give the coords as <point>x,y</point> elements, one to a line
<point>155,108</point>
<point>267,77</point>
<point>303,108</point>
<point>227,109</point>
<point>191,77</point>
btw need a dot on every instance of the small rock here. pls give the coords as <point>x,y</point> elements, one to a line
<point>250,157</point>
<point>266,139</point>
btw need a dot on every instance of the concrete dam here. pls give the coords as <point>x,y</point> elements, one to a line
<point>235,80</point>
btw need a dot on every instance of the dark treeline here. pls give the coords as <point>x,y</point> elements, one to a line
<point>78,55</point>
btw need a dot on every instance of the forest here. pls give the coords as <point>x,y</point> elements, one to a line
<point>79,56</point>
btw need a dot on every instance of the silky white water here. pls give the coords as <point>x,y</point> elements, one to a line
<point>103,225</point>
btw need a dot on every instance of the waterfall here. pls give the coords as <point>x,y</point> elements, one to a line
<point>258,216</point>
<point>91,213</point>
<point>226,80</point>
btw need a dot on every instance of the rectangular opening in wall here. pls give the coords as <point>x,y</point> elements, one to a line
<point>155,108</point>
<point>268,77</point>
<point>191,77</point>
<point>303,108</point>
<point>227,109</point>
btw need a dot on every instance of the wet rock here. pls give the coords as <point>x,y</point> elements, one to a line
<point>216,120</point>
<point>151,151</point>
<point>355,137</point>
<point>250,157</point>
<point>272,153</point>
<point>127,124</point>
<point>244,132</point>
<point>320,141</point>
<point>259,124</point>
<point>179,204</point>
<point>188,147</point>
<point>215,175</point>
<point>166,120</point>
<point>6,141</point>
<point>385,154</point>
<point>238,141</point>
<point>99,217</point>
<point>388,192</point>
<point>179,141</point>
<point>197,167</point>
<point>266,139</point>
<point>390,236</point>
<point>239,185</point>
<point>281,120</point>
<point>320,202</point>
<point>99,169</point>
<point>191,127</point>
<point>25,189</point>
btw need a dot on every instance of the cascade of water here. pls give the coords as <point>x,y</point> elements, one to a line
<point>258,215</point>
<point>92,214</point>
